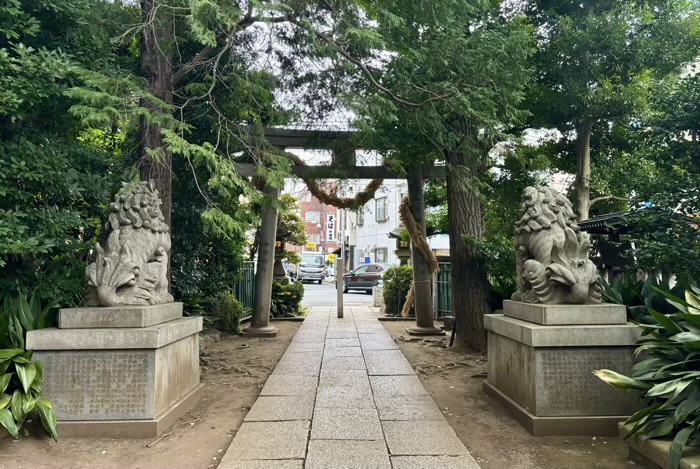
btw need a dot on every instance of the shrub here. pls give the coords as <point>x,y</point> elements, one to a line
<point>20,314</point>
<point>286,299</point>
<point>668,376</point>
<point>397,282</point>
<point>20,377</point>
<point>227,312</point>
<point>20,392</point>
<point>639,296</point>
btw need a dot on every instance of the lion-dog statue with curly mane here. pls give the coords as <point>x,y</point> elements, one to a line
<point>552,253</point>
<point>132,269</point>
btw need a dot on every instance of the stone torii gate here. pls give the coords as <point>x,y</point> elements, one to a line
<point>343,165</point>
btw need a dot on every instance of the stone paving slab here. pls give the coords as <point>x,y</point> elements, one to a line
<point>343,378</point>
<point>342,352</point>
<point>303,368</point>
<point>342,343</point>
<point>377,342</point>
<point>417,438</point>
<point>347,454</point>
<point>434,462</point>
<point>263,464</point>
<point>408,407</point>
<point>331,334</point>
<point>276,408</point>
<point>387,362</point>
<point>306,337</point>
<point>406,385</point>
<point>353,397</point>
<point>306,347</point>
<point>343,396</point>
<point>290,385</point>
<point>269,440</point>
<point>346,424</point>
<point>343,363</point>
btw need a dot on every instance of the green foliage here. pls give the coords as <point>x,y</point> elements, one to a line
<point>53,186</point>
<point>397,282</point>
<point>205,261</point>
<point>286,299</point>
<point>21,391</point>
<point>22,313</point>
<point>499,255</point>
<point>226,311</point>
<point>600,63</point>
<point>667,376</point>
<point>640,296</point>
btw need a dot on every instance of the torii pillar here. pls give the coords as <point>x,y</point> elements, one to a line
<point>423,298</point>
<point>260,320</point>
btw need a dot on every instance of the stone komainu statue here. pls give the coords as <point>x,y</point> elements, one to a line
<point>132,270</point>
<point>552,253</point>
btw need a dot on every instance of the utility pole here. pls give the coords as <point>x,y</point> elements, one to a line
<point>324,227</point>
<point>340,269</point>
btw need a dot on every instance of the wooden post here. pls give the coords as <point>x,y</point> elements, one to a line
<point>421,270</point>
<point>260,322</point>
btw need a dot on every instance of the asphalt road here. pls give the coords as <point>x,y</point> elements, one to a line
<point>325,295</point>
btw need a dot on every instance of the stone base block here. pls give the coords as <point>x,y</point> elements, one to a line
<point>547,373</point>
<point>119,375</point>
<point>421,330</point>
<point>118,316</point>
<point>553,315</point>
<point>556,426</point>
<point>653,453</point>
<point>131,428</point>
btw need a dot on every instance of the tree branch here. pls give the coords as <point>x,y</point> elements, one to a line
<point>368,73</point>
<point>207,52</point>
<point>608,197</point>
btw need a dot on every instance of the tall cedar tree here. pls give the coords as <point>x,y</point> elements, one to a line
<point>451,83</point>
<point>595,63</point>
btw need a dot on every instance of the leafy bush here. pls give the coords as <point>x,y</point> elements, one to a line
<point>397,282</point>
<point>227,311</point>
<point>668,376</point>
<point>286,299</point>
<point>21,314</point>
<point>20,392</point>
<point>639,296</point>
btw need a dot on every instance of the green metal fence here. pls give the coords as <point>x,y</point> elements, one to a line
<point>444,290</point>
<point>245,288</point>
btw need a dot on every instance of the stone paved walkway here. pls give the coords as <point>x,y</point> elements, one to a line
<point>344,396</point>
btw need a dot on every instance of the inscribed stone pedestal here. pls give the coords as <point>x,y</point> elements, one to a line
<point>544,374</point>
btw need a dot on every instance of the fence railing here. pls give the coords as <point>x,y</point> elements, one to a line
<point>443,305</point>
<point>245,288</point>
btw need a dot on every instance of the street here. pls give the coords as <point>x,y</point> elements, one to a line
<point>325,295</point>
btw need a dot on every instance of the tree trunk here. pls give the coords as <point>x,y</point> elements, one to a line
<point>155,161</point>
<point>469,283</point>
<point>582,184</point>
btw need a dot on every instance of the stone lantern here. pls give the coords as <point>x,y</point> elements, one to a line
<point>278,272</point>
<point>403,247</point>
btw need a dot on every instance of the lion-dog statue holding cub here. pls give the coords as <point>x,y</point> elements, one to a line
<point>552,253</point>
<point>132,269</point>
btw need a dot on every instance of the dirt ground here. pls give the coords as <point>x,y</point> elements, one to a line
<point>234,371</point>
<point>493,437</point>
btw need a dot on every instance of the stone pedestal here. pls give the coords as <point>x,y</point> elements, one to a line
<point>541,368</point>
<point>126,371</point>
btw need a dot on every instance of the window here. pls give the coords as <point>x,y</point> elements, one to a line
<point>381,254</point>
<point>381,209</point>
<point>361,216</point>
<point>313,238</point>
<point>361,270</point>
<point>312,217</point>
<point>374,268</point>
